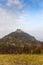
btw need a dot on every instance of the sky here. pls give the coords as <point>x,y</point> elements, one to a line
<point>26,15</point>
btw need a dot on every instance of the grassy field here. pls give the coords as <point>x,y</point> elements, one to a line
<point>21,59</point>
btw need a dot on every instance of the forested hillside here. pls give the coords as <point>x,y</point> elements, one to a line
<point>20,42</point>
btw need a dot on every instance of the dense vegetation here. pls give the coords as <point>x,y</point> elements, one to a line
<point>9,49</point>
<point>20,42</point>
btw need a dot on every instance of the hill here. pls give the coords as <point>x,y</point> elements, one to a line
<point>18,42</point>
<point>19,38</point>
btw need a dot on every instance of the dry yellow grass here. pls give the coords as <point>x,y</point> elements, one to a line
<point>23,59</point>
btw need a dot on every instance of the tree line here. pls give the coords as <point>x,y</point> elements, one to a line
<point>26,49</point>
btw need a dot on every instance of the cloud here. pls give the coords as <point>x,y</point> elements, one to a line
<point>8,22</point>
<point>17,3</point>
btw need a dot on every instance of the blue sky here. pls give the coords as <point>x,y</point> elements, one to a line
<point>23,14</point>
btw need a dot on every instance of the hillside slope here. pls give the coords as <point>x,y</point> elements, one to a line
<point>19,38</point>
<point>19,42</point>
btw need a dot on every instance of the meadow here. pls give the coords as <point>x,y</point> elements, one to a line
<point>23,59</point>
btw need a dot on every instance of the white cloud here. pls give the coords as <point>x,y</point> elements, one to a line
<point>16,3</point>
<point>8,22</point>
